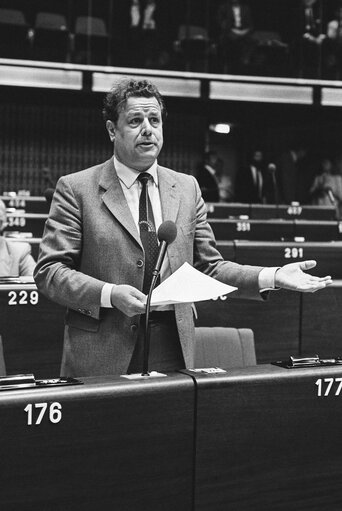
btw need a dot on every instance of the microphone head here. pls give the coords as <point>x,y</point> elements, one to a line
<point>167,231</point>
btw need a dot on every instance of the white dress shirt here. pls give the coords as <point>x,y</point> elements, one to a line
<point>131,188</point>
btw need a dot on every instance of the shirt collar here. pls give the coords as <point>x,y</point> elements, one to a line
<point>128,176</point>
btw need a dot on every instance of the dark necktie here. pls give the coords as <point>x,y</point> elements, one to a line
<point>148,234</point>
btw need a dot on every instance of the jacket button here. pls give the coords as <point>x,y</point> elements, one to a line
<point>134,328</point>
<point>140,263</point>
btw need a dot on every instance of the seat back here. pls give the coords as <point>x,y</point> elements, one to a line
<point>50,21</point>
<point>192,32</point>
<point>224,347</point>
<point>89,25</point>
<point>12,17</point>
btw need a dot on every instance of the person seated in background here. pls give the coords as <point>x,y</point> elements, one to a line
<point>249,181</point>
<point>293,174</point>
<point>15,257</point>
<point>208,179</point>
<point>235,42</point>
<point>311,40</point>
<point>332,47</point>
<point>326,189</point>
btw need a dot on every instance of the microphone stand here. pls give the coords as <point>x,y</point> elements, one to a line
<point>146,353</point>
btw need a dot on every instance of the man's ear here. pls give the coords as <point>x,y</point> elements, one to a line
<point>111,130</point>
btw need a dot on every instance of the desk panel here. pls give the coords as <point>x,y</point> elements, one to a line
<point>276,253</point>
<point>266,441</point>
<point>120,445</point>
<point>322,322</point>
<point>31,204</point>
<point>267,211</point>
<point>317,230</point>
<point>275,322</point>
<point>228,210</point>
<point>32,329</point>
<point>27,222</point>
<point>252,229</point>
<point>293,211</point>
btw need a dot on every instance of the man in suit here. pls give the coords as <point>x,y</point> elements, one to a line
<point>208,179</point>
<point>15,256</point>
<point>95,261</point>
<point>250,179</point>
<point>235,42</point>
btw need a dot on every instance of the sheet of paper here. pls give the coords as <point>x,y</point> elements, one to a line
<point>188,285</point>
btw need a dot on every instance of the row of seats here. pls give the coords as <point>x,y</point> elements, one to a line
<point>266,253</point>
<point>51,38</point>
<point>224,229</point>
<point>267,211</point>
<point>219,210</point>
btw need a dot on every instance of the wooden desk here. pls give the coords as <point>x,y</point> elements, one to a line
<point>29,203</point>
<point>27,222</point>
<point>266,441</point>
<point>32,329</point>
<point>119,445</point>
<point>246,229</point>
<point>277,253</point>
<point>275,229</point>
<point>267,211</point>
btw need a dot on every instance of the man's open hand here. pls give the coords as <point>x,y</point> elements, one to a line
<point>292,276</point>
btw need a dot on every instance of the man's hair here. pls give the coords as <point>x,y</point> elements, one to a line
<point>115,100</point>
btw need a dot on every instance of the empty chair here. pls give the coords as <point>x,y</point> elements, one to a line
<point>224,347</point>
<point>270,54</point>
<point>51,37</point>
<point>14,40</point>
<point>90,40</point>
<point>193,47</point>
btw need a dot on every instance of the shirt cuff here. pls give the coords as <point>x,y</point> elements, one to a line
<point>105,295</point>
<point>267,278</point>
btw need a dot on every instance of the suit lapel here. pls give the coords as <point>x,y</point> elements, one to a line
<point>170,201</point>
<point>115,200</point>
<point>169,195</point>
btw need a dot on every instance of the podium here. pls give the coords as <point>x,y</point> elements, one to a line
<point>269,438</point>
<point>109,444</point>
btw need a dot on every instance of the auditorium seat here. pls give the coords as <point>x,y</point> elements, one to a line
<point>14,41</point>
<point>90,40</point>
<point>224,347</point>
<point>2,360</point>
<point>193,47</point>
<point>51,37</point>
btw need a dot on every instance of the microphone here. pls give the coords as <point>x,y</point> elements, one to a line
<point>272,169</point>
<point>167,233</point>
<point>48,194</point>
<point>331,196</point>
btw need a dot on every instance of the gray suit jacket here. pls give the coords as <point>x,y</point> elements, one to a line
<point>15,258</point>
<point>90,238</point>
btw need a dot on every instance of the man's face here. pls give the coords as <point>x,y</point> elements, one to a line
<point>257,157</point>
<point>138,133</point>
